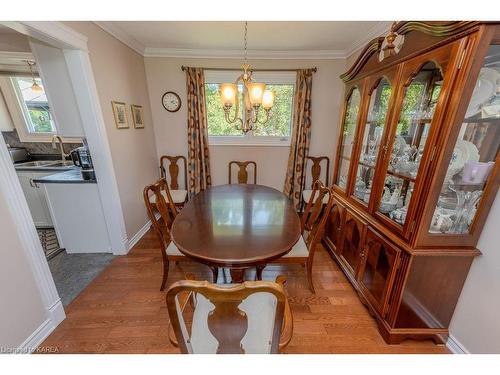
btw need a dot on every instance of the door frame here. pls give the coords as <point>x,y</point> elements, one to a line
<point>76,54</point>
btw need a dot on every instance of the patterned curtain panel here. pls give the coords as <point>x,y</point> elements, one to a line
<point>301,137</point>
<point>198,155</point>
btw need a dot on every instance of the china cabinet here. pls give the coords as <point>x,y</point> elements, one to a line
<point>417,169</point>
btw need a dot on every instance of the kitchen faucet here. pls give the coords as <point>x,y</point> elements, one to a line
<point>61,148</point>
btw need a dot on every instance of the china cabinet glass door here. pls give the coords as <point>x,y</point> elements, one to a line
<point>409,142</point>
<point>371,139</point>
<point>348,134</point>
<point>474,155</point>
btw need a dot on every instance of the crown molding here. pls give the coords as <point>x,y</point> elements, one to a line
<point>122,36</point>
<point>380,29</point>
<point>237,54</point>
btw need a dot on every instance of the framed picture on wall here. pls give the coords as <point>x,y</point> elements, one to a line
<point>137,116</point>
<point>120,113</point>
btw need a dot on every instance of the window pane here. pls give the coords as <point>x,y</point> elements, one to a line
<point>280,116</point>
<point>35,106</point>
<point>217,124</point>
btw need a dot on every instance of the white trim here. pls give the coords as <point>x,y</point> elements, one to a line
<point>56,34</point>
<point>122,36</point>
<point>10,187</point>
<point>380,29</point>
<point>80,71</point>
<point>136,237</point>
<point>456,346</point>
<point>19,117</point>
<point>16,58</point>
<point>237,54</point>
<point>249,141</point>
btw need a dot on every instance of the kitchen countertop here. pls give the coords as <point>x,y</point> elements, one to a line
<point>72,176</point>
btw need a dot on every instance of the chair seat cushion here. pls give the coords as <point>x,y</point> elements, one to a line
<point>306,195</point>
<point>299,250</point>
<point>260,309</point>
<point>173,250</point>
<point>178,196</point>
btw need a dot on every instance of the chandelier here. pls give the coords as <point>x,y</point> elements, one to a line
<point>35,87</point>
<point>254,97</point>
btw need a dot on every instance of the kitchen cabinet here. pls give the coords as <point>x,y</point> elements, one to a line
<point>417,170</point>
<point>35,197</point>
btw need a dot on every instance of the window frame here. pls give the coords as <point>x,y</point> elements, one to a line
<point>249,139</point>
<point>18,112</point>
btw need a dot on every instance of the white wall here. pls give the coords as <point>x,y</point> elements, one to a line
<point>165,74</point>
<point>119,74</point>
<point>476,321</point>
<point>21,307</point>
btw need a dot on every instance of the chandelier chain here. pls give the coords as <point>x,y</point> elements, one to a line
<point>245,39</point>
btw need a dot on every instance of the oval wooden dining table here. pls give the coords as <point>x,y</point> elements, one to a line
<point>236,227</point>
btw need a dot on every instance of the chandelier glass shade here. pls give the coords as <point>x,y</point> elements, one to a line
<point>254,97</point>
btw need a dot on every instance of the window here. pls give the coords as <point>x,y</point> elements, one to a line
<point>277,131</point>
<point>34,106</point>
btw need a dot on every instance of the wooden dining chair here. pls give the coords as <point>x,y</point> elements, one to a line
<point>179,196</point>
<point>312,225</point>
<point>242,171</point>
<point>249,318</point>
<point>316,170</point>
<point>157,198</point>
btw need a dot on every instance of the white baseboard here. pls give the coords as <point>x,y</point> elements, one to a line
<point>136,237</point>
<point>455,346</point>
<point>56,316</point>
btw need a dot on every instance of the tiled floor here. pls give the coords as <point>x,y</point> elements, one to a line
<point>73,272</point>
<point>123,311</point>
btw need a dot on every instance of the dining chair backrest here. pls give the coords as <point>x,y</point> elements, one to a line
<point>173,170</point>
<point>239,318</point>
<point>164,205</point>
<point>242,171</point>
<point>316,168</point>
<point>316,213</point>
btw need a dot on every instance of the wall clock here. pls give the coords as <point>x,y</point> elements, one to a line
<point>171,101</point>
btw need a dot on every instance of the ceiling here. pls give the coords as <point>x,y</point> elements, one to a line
<point>332,39</point>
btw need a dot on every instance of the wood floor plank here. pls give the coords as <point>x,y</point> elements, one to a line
<point>123,310</point>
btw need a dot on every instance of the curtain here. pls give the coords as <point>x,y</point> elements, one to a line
<point>301,137</point>
<point>198,154</point>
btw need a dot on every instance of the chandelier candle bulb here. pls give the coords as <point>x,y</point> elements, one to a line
<point>228,94</point>
<point>256,91</point>
<point>268,99</point>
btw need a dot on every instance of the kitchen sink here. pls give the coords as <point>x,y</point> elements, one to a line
<point>45,165</point>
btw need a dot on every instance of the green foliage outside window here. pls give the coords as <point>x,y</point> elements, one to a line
<point>280,116</point>
<point>40,118</point>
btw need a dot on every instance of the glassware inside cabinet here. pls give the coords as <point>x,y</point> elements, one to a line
<point>410,139</point>
<point>372,137</point>
<point>474,155</point>
<point>348,134</point>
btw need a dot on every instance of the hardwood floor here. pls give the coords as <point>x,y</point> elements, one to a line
<point>123,311</point>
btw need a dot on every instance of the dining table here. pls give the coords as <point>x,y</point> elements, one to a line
<point>239,226</point>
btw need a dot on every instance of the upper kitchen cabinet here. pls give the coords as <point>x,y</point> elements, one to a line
<point>53,70</point>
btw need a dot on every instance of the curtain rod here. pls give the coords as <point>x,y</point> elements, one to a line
<point>315,69</point>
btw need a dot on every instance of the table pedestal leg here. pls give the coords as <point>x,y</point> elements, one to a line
<point>237,275</point>
<point>259,270</point>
